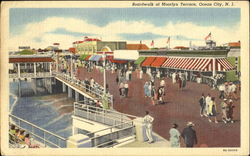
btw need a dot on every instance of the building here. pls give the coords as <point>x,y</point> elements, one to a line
<point>233,57</point>
<point>137,47</point>
<point>90,46</point>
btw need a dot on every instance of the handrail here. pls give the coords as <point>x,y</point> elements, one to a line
<point>98,89</point>
<point>36,135</point>
<point>101,109</point>
<point>112,127</point>
<point>38,127</point>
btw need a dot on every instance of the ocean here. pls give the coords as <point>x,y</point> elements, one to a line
<point>44,110</point>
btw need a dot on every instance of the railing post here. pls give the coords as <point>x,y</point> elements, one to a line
<point>44,139</point>
<point>103,115</point>
<point>87,112</point>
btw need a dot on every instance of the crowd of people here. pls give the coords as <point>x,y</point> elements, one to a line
<point>20,138</point>
<point>180,78</point>
<point>188,134</point>
<point>208,108</point>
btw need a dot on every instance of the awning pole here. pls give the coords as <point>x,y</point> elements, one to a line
<point>214,70</point>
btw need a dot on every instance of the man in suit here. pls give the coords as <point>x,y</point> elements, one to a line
<point>189,135</point>
<point>202,102</point>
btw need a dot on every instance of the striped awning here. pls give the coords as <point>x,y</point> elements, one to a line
<point>198,64</point>
<point>92,58</point>
<point>224,65</point>
<point>158,61</point>
<point>97,57</point>
<point>148,61</point>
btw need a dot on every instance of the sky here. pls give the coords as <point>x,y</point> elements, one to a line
<point>41,27</point>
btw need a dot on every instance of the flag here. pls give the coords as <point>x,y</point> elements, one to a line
<point>208,36</point>
<point>152,43</point>
<point>168,40</point>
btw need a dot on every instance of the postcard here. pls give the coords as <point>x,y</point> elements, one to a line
<point>125,78</point>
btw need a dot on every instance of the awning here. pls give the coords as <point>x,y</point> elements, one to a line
<point>158,61</point>
<point>97,58</point>
<point>139,60</point>
<point>198,64</point>
<point>82,57</point>
<point>87,58</point>
<point>108,57</point>
<point>224,65</point>
<point>148,61</point>
<point>92,58</point>
<point>118,61</point>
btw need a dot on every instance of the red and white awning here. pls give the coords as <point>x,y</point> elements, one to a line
<point>198,64</point>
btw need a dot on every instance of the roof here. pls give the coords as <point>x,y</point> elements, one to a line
<point>137,47</point>
<point>180,47</point>
<point>234,44</point>
<point>72,50</point>
<point>30,59</point>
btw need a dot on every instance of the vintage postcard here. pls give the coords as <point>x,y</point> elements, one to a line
<point>125,78</point>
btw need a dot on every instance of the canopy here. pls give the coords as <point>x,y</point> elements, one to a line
<point>198,64</point>
<point>82,57</point>
<point>158,61</point>
<point>87,58</point>
<point>97,57</point>
<point>140,60</point>
<point>148,61</point>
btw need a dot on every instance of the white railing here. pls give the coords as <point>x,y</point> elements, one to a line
<point>121,125</point>
<point>97,91</point>
<point>39,134</point>
<point>30,75</point>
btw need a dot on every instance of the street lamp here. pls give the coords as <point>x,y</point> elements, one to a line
<point>104,98</point>
<point>104,71</point>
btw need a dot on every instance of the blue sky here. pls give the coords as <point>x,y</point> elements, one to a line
<point>102,17</point>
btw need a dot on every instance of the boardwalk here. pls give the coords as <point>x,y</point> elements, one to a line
<point>181,106</point>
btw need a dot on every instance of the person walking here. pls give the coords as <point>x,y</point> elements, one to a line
<point>162,83</point>
<point>230,111</point>
<point>160,95</point>
<point>184,81</point>
<point>233,91</point>
<point>174,78</point>
<point>224,108</point>
<point>117,79</point>
<point>202,103</point>
<point>92,81</point>
<point>148,120</point>
<point>126,89</point>
<point>180,81</point>
<point>208,99</point>
<point>121,86</point>
<point>222,91</point>
<point>189,135</point>
<point>153,95</point>
<point>141,73</point>
<point>174,136</point>
<point>149,89</point>
<point>212,111</point>
<point>146,89</point>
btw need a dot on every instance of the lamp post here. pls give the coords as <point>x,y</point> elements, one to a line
<point>104,98</point>
<point>71,65</point>
<point>104,72</point>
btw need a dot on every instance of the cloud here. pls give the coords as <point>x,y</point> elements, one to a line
<point>63,31</point>
<point>67,30</point>
<point>141,36</point>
